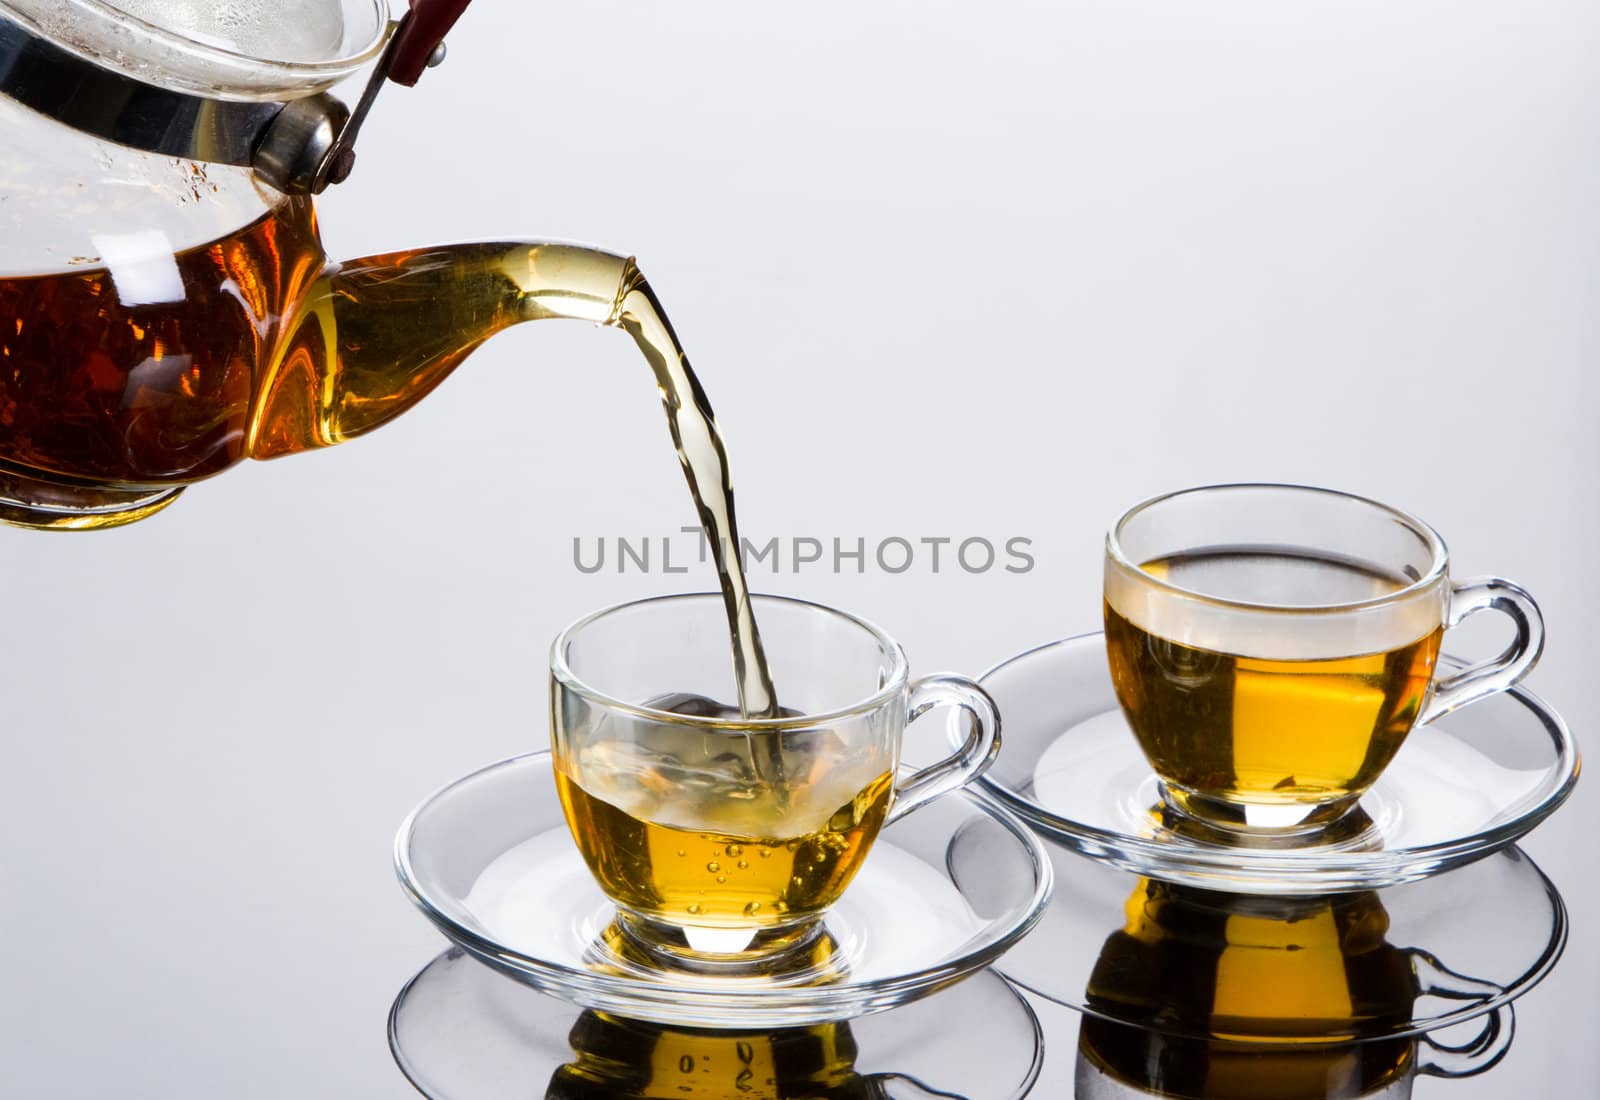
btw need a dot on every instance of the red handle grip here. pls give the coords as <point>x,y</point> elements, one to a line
<point>420,34</point>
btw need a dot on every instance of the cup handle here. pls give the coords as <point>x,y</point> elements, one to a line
<point>1488,677</point>
<point>968,762</point>
<point>1485,1049</point>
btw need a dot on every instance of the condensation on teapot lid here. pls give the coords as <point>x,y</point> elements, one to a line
<point>224,49</point>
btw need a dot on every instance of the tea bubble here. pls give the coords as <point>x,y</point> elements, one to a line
<point>713,867</point>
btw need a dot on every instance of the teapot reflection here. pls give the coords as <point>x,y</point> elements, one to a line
<point>621,1059</point>
<point>1231,997</point>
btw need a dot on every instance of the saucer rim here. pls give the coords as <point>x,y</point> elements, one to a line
<point>775,1007</point>
<point>1182,860</point>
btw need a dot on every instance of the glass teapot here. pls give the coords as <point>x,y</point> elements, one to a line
<point>166,308</point>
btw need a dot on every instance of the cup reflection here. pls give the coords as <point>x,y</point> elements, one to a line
<point>620,1059</point>
<point>1230,997</point>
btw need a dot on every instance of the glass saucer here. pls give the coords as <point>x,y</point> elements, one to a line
<point>490,861</point>
<point>1458,790</point>
<point>1405,960</point>
<point>459,1031</point>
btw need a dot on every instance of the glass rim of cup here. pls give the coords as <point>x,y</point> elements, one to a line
<point>897,681</point>
<point>1438,568</point>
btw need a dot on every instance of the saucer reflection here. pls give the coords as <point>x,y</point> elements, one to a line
<point>1232,966</point>
<point>1118,1062</point>
<point>1400,961</point>
<point>1246,998</point>
<point>461,1031</point>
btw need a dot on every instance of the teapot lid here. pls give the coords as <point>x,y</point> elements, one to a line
<point>219,49</point>
<point>239,82</point>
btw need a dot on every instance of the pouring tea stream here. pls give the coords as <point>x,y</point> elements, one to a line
<point>167,309</point>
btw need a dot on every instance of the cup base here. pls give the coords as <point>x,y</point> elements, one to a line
<point>802,953</point>
<point>1204,817</point>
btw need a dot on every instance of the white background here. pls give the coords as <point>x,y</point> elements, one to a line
<point>991,268</point>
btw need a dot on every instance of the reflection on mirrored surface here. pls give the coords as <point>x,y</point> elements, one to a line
<point>460,1031</point>
<point>1293,970</point>
<point>1205,995</point>
<point>1117,1062</point>
<point>1246,998</point>
<point>618,1058</point>
<point>1206,964</point>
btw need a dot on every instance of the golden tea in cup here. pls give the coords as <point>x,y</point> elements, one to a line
<point>1273,645</point>
<point>721,835</point>
<point>715,859</point>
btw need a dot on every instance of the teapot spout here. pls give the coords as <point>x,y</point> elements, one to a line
<point>374,336</point>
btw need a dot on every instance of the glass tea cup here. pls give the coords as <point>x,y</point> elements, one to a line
<point>1273,645</point>
<point>723,840</point>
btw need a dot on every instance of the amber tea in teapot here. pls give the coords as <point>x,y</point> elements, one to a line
<point>108,382</point>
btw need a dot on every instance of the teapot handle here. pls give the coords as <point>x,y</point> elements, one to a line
<point>420,34</point>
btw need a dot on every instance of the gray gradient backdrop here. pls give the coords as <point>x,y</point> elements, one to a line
<point>985,268</point>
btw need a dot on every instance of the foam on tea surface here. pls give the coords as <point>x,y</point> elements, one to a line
<point>1195,606</point>
<point>706,777</point>
<point>1274,578</point>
